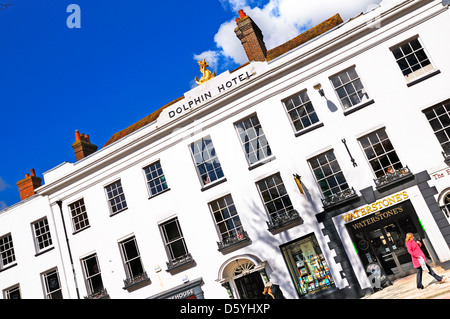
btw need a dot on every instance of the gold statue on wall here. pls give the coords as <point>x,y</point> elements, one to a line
<point>207,75</point>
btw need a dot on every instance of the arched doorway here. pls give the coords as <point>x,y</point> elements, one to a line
<point>243,277</point>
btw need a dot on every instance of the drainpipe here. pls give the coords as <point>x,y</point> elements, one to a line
<point>59,202</point>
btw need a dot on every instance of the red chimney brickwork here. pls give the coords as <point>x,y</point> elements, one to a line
<point>251,38</point>
<point>83,146</point>
<point>28,185</point>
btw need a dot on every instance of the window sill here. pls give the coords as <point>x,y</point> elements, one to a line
<point>80,230</point>
<point>8,266</point>
<point>212,184</point>
<point>161,192</point>
<point>262,162</point>
<point>45,250</point>
<point>180,264</point>
<point>423,78</point>
<point>284,221</point>
<point>234,243</point>
<point>118,212</point>
<point>309,129</point>
<point>358,107</point>
<point>136,282</point>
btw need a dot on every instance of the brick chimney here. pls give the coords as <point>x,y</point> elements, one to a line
<point>28,185</point>
<point>251,38</point>
<point>83,146</point>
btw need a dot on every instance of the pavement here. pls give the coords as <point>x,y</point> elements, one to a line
<point>405,288</point>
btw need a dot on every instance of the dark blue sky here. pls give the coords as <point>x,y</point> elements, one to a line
<point>128,59</point>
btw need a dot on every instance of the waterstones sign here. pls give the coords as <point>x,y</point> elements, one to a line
<point>208,91</point>
<point>375,207</point>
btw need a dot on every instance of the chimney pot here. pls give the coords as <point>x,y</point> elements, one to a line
<point>28,185</point>
<point>83,146</point>
<point>251,38</point>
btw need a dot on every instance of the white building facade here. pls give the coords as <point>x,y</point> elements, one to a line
<point>306,169</point>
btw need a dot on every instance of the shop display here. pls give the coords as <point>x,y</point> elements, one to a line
<point>308,266</point>
<point>314,276</point>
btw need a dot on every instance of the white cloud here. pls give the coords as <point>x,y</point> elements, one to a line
<point>3,185</point>
<point>210,56</point>
<point>280,21</point>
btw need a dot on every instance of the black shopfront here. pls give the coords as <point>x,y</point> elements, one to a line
<point>379,240</point>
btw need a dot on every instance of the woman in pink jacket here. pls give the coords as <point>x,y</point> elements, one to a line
<point>416,254</point>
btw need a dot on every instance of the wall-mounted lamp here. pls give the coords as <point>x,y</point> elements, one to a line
<point>318,87</point>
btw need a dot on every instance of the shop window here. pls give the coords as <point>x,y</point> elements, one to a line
<point>8,256</point>
<point>383,159</point>
<point>52,285</point>
<point>349,89</point>
<point>301,111</point>
<point>253,140</point>
<point>116,197</point>
<point>206,161</point>
<point>307,266</point>
<point>412,60</point>
<point>80,219</point>
<point>439,118</point>
<point>156,180</point>
<point>42,236</point>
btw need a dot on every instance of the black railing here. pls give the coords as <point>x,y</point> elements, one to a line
<point>102,294</point>
<point>339,197</point>
<point>179,261</point>
<point>129,282</point>
<point>240,237</point>
<point>392,177</point>
<point>279,220</point>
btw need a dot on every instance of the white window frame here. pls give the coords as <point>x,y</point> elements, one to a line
<point>44,277</point>
<point>333,174</point>
<point>127,260</point>
<point>423,71</point>
<point>37,238</point>
<point>165,185</point>
<point>112,201</point>
<point>7,291</point>
<point>303,101</point>
<point>204,158</point>
<point>364,100</point>
<point>88,277</point>
<point>7,253</point>
<point>229,232</point>
<point>278,212</point>
<point>85,219</point>
<point>261,152</point>
<point>384,169</point>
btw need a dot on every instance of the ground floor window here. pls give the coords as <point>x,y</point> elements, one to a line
<point>307,265</point>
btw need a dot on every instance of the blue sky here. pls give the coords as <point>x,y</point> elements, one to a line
<point>128,59</point>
